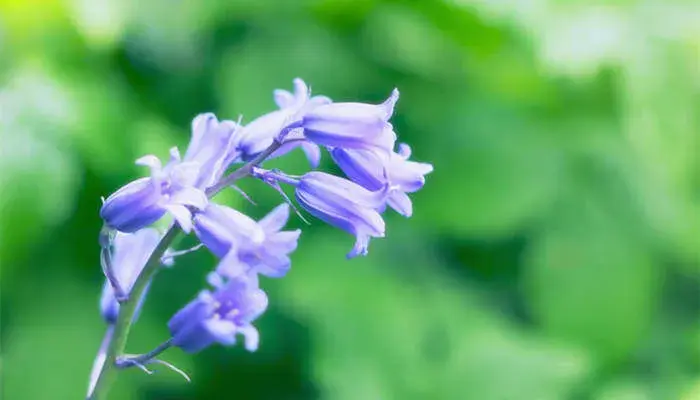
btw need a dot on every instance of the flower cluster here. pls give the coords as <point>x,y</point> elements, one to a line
<point>360,140</point>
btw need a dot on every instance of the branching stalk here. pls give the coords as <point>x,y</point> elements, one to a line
<point>117,344</point>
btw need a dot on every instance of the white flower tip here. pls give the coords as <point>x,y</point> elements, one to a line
<point>149,161</point>
<point>175,154</point>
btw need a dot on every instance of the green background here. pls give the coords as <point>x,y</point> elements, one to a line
<point>554,252</point>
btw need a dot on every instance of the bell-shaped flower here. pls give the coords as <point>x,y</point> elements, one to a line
<point>259,134</point>
<point>222,229</point>
<point>269,257</point>
<point>352,125</point>
<point>373,172</point>
<point>144,201</point>
<point>219,315</point>
<point>212,147</point>
<point>130,252</point>
<point>343,204</point>
<point>247,246</point>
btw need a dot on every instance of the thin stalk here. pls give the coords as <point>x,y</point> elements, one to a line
<point>127,309</point>
<point>143,359</point>
<point>108,269</point>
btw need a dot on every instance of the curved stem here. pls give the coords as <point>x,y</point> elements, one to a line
<point>126,314</point>
<point>108,270</point>
<point>107,375</point>
<point>143,359</point>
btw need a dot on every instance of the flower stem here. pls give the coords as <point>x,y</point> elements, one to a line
<point>126,314</point>
<point>117,342</point>
<point>143,359</point>
<point>108,269</point>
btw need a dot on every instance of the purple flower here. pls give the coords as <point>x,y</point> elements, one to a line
<point>130,252</point>
<point>259,134</point>
<point>269,257</point>
<point>247,246</point>
<point>222,228</point>
<point>373,172</point>
<point>211,147</point>
<point>343,204</point>
<point>352,125</point>
<point>218,316</point>
<point>144,201</point>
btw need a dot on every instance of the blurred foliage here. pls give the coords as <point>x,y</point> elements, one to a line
<point>554,253</point>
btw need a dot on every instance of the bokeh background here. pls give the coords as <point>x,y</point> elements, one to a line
<point>553,254</point>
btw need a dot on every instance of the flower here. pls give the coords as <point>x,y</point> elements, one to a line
<point>269,257</point>
<point>221,228</point>
<point>129,256</point>
<point>373,172</point>
<point>247,246</point>
<point>144,201</point>
<point>259,134</point>
<point>343,204</point>
<point>218,316</point>
<point>352,125</point>
<point>211,147</point>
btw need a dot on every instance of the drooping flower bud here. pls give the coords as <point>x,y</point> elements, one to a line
<point>352,125</point>
<point>343,204</point>
<point>374,172</point>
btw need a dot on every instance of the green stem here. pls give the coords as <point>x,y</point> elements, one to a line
<point>128,308</point>
<point>126,314</point>
<point>143,359</point>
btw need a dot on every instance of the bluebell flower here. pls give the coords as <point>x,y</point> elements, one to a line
<point>212,148</point>
<point>220,228</point>
<point>343,204</point>
<point>269,257</point>
<point>352,125</point>
<point>247,246</point>
<point>130,252</point>
<point>373,172</point>
<point>220,315</point>
<point>144,201</point>
<point>259,134</point>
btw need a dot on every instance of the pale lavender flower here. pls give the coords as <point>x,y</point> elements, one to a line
<point>343,204</point>
<point>245,245</point>
<point>144,201</point>
<point>212,147</point>
<point>259,134</point>
<point>130,252</point>
<point>269,257</point>
<point>352,125</point>
<point>222,228</point>
<point>374,172</point>
<point>218,316</point>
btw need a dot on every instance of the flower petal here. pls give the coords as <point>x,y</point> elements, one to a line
<point>182,215</point>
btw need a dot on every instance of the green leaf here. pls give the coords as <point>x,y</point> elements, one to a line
<point>494,171</point>
<point>591,282</point>
<point>422,338</point>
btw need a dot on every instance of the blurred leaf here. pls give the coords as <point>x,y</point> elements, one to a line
<point>272,58</point>
<point>57,347</point>
<point>494,171</point>
<point>400,38</point>
<point>38,173</point>
<point>105,135</point>
<point>417,339</point>
<point>590,282</point>
<point>624,391</point>
<point>102,22</point>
